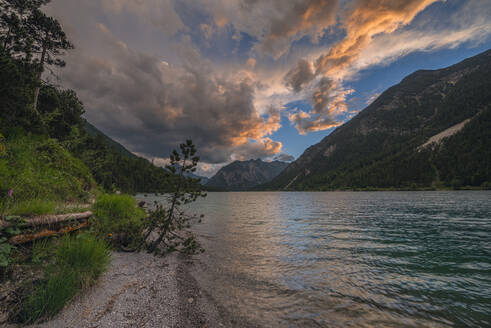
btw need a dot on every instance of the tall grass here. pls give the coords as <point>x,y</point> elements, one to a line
<point>32,207</point>
<point>85,254</point>
<point>120,216</point>
<point>78,262</point>
<point>49,298</point>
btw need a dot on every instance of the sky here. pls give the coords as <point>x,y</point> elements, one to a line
<point>247,79</point>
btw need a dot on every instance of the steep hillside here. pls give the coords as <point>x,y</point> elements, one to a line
<point>243,175</point>
<point>37,167</point>
<point>116,146</point>
<point>382,147</point>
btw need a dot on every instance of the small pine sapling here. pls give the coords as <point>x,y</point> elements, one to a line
<point>171,223</point>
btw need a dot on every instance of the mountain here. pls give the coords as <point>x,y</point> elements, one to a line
<point>243,175</point>
<point>202,180</point>
<point>432,130</point>
<point>116,146</point>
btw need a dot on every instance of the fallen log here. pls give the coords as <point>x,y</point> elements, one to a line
<point>22,239</point>
<point>48,219</point>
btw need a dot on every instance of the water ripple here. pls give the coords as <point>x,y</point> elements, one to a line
<point>343,259</point>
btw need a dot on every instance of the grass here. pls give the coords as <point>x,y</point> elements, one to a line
<point>32,207</point>
<point>120,216</point>
<point>78,262</point>
<point>37,167</point>
<point>86,254</point>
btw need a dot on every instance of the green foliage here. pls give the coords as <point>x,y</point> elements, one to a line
<point>37,167</point>
<point>59,117</point>
<point>78,262</point>
<point>17,83</point>
<point>61,112</point>
<point>171,223</point>
<point>42,250</point>
<point>49,298</point>
<point>464,159</point>
<point>33,207</point>
<point>5,234</point>
<point>17,37</point>
<point>85,254</point>
<point>115,170</point>
<point>119,218</point>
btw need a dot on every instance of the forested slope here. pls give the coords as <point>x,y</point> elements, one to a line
<point>380,147</point>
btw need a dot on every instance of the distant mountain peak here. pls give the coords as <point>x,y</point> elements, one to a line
<point>244,175</point>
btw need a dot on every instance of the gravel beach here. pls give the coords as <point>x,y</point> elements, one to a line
<point>142,290</point>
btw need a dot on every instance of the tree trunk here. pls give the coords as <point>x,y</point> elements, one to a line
<point>6,39</point>
<point>40,73</point>
<point>22,239</point>
<point>47,220</point>
<point>171,211</point>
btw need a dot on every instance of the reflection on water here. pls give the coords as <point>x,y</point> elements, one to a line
<point>340,259</point>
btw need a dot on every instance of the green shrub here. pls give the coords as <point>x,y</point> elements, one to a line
<point>50,297</point>
<point>119,217</point>
<point>78,262</point>
<point>86,254</point>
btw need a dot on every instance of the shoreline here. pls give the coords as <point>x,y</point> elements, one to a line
<point>143,290</point>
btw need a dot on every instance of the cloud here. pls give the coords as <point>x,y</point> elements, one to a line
<point>372,98</point>
<point>284,158</point>
<point>261,148</point>
<point>274,23</point>
<point>155,72</point>
<point>160,13</point>
<point>297,19</point>
<point>367,19</point>
<point>468,24</point>
<point>364,20</point>
<point>251,63</point>
<point>151,106</point>
<point>300,75</point>
<point>207,30</point>
<point>305,122</point>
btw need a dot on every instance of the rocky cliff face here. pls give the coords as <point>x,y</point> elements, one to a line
<point>380,147</point>
<point>243,175</point>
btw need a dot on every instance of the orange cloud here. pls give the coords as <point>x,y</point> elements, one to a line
<point>367,19</point>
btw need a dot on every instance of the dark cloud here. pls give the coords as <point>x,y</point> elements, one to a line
<point>152,106</point>
<point>297,19</point>
<point>300,75</point>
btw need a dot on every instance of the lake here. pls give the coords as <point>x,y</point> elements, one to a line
<point>349,259</point>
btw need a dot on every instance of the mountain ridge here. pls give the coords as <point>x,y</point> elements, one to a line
<point>244,175</point>
<point>377,148</point>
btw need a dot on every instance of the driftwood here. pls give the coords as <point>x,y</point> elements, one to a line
<point>22,239</point>
<point>49,219</point>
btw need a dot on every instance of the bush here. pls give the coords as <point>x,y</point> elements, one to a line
<point>78,262</point>
<point>49,298</point>
<point>120,218</point>
<point>85,254</point>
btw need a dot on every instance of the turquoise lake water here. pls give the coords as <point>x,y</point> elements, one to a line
<point>349,259</point>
